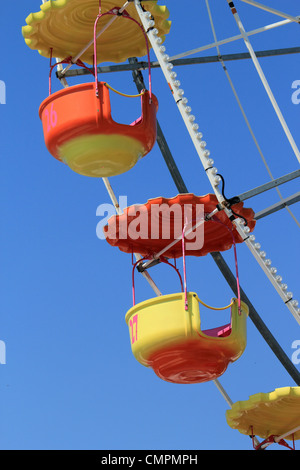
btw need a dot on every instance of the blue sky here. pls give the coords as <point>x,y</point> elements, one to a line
<point>70,380</point>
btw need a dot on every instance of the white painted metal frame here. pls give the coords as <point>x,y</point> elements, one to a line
<point>245,116</point>
<point>264,80</point>
<point>279,438</point>
<point>204,155</point>
<point>231,39</point>
<point>272,10</point>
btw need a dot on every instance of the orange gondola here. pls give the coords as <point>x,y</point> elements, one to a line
<point>79,130</point>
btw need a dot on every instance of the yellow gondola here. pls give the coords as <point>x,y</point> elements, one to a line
<point>168,338</point>
<point>48,28</point>
<point>270,416</point>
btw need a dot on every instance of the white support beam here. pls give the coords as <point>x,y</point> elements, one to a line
<point>296,19</point>
<point>264,80</point>
<point>279,205</point>
<point>289,433</point>
<point>270,185</point>
<point>231,39</point>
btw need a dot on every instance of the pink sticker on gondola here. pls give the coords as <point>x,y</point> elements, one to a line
<point>51,118</point>
<point>133,323</point>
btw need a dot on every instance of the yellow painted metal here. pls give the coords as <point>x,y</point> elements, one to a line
<point>101,155</point>
<point>67,26</point>
<point>267,414</point>
<point>163,321</point>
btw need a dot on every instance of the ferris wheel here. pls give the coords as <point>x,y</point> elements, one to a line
<point>79,130</point>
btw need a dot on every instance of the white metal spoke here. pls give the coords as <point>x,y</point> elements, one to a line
<point>264,80</point>
<point>289,433</point>
<point>231,39</point>
<point>272,10</point>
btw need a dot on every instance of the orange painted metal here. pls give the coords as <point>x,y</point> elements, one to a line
<point>217,236</point>
<point>169,339</point>
<point>192,361</point>
<point>77,112</point>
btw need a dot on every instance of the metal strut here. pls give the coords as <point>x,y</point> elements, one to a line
<point>141,65</point>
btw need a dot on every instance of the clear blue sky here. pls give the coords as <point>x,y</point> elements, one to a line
<point>70,380</point>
